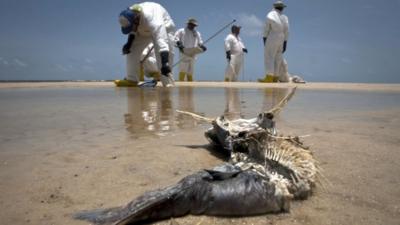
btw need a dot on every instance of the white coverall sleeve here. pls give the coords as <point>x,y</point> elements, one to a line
<point>200,41</point>
<point>228,41</point>
<point>241,43</point>
<point>178,35</point>
<point>287,28</point>
<point>160,36</point>
<point>157,24</point>
<point>267,27</point>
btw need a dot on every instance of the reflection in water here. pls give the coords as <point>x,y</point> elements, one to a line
<point>232,104</point>
<point>272,96</point>
<point>186,103</point>
<point>152,111</point>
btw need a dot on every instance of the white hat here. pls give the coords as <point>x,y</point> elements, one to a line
<point>279,3</point>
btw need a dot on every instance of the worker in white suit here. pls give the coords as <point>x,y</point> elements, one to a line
<point>146,23</point>
<point>276,32</point>
<point>189,42</point>
<point>234,49</point>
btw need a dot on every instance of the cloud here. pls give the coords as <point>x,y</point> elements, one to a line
<point>19,63</point>
<point>13,63</point>
<point>4,62</point>
<point>251,24</point>
<point>63,68</point>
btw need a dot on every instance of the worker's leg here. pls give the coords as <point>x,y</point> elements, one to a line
<point>237,60</point>
<point>184,67</point>
<point>141,78</point>
<point>278,64</point>
<point>270,51</point>
<point>133,58</point>
<point>229,72</point>
<point>283,73</point>
<point>190,70</point>
<point>151,68</point>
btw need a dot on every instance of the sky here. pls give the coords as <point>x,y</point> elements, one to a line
<point>329,41</point>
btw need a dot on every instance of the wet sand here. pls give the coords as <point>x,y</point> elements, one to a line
<point>69,157</point>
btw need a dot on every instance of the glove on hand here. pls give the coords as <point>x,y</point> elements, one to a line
<point>165,68</point>
<point>228,55</point>
<point>180,46</point>
<point>264,40</point>
<point>284,46</point>
<point>245,50</point>
<point>203,47</point>
<point>126,49</point>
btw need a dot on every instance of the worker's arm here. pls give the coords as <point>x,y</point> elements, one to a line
<point>200,41</point>
<point>178,40</point>
<point>228,42</point>
<point>244,49</point>
<point>165,68</point>
<point>284,46</point>
<point>267,29</point>
<point>159,32</point>
<point>286,32</point>
<point>126,49</point>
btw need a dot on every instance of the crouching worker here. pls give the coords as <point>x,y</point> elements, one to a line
<point>146,23</point>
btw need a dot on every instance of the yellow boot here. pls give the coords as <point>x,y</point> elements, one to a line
<point>125,83</point>
<point>155,75</point>
<point>182,76</point>
<point>269,78</point>
<point>189,77</point>
<point>141,74</point>
<point>275,79</point>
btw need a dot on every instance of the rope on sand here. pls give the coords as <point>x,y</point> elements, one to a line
<point>196,116</point>
<point>278,107</point>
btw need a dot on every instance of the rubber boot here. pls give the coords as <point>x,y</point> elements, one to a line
<point>182,76</point>
<point>189,77</point>
<point>141,74</point>
<point>155,75</point>
<point>269,78</point>
<point>125,83</point>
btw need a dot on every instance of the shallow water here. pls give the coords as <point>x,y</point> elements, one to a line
<point>64,150</point>
<point>79,114</point>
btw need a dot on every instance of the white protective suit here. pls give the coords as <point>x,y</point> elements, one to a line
<point>149,61</point>
<point>235,45</point>
<point>155,26</point>
<point>190,39</point>
<point>276,31</point>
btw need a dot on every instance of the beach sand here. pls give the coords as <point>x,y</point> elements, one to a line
<point>46,176</point>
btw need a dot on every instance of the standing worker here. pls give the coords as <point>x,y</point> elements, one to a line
<point>234,49</point>
<point>145,23</point>
<point>276,32</point>
<point>189,42</point>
